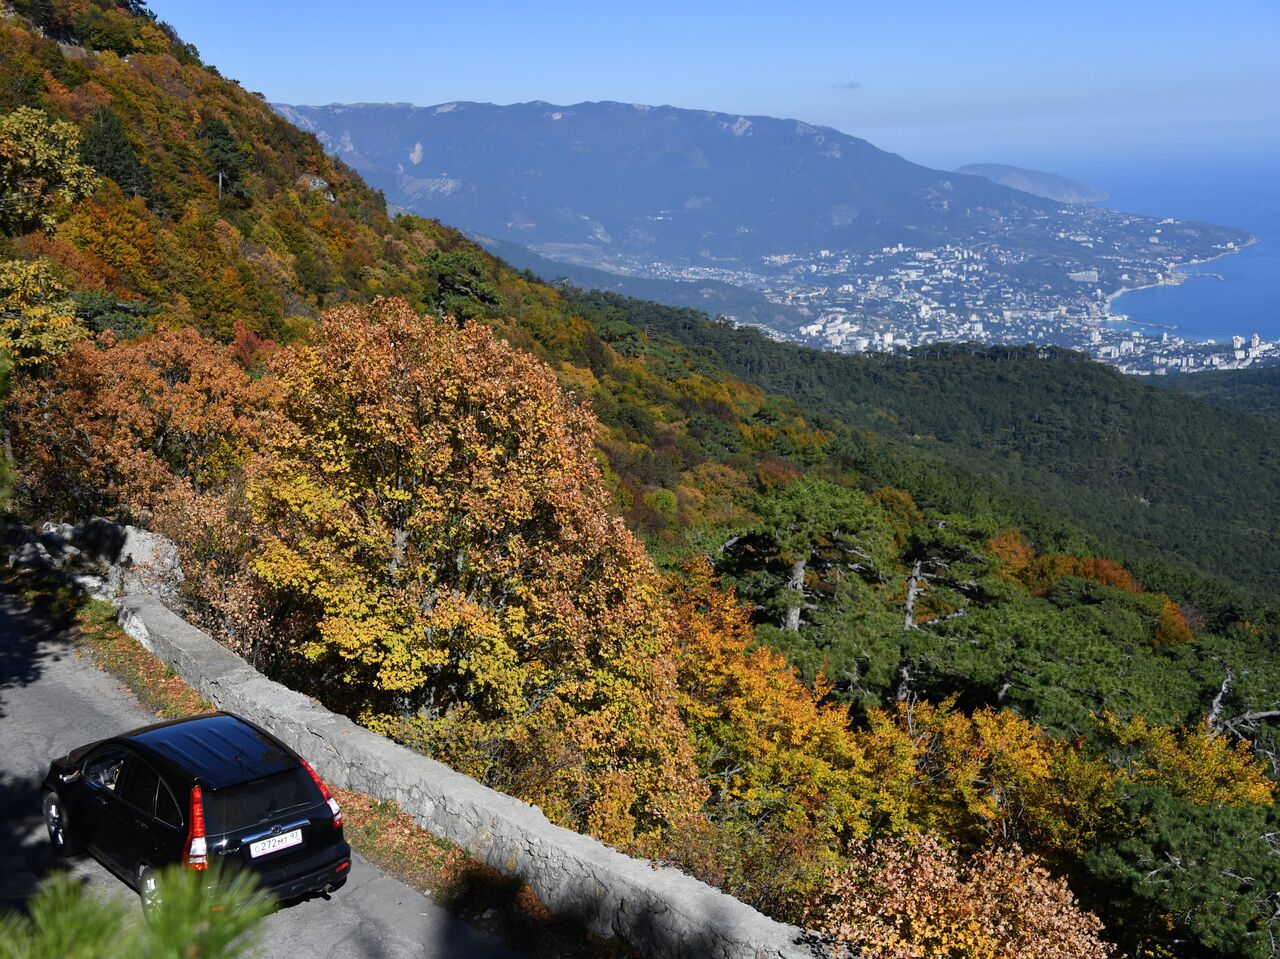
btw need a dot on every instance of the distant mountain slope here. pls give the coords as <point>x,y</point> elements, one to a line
<point>614,178</point>
<point>1252,391</point>
<point>1036,182</point>
<point>714,297</point>
<point>819,221</point>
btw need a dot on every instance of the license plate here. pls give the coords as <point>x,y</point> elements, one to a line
<point>275,843</point>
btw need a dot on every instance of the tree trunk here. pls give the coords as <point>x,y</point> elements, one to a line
<point>913,590</point>
<point>792,621</point>
<point>904,685</point>
<point>1215,712</point>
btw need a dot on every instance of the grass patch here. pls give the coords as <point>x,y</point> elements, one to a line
<point>156,685</point>
<point>380,831</point>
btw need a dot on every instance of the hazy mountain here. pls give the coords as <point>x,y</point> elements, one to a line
<point>836,242</point>
<point>1036,182</point>
<point>621,183</point>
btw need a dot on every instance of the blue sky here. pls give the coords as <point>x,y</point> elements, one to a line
<point>944,83</point>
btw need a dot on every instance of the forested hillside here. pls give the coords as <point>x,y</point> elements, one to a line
<point>828,639</point>
<point>1253,391</point>
<point>1143,470</point>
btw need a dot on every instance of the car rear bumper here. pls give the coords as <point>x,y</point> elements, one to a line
<point>326,870</point>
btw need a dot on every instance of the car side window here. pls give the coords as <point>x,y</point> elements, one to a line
<point>167,809</point>
<point>139,786</point>
<point>103,768</point>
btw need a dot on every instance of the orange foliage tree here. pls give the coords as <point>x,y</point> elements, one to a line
<point>1012,549</point>
<point>1172,628</point>
<point>118,427</point>
<point>788,779</point>
<point>917,899</point>
<point>768,748</point>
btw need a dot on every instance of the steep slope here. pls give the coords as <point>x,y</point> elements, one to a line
<point>237,217</point>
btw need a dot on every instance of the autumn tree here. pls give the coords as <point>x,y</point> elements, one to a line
<point>432,510</point>
<point>40,170</point>
<point>1172,628</point>
<point>117,428</point>
<point>783,769</point>
<point>1012,549</point>
<point>918,899</point>
<point>37,315</point>
<point>987,777</point>
<point>40,177</point>
<point>1197,764</point>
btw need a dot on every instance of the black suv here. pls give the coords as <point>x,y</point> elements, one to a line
<point>212,787</point>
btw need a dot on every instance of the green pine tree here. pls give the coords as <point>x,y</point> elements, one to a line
<point>105,146</point>
<point>226,159</point>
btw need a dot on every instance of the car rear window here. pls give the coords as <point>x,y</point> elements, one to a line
<point>238,807</point>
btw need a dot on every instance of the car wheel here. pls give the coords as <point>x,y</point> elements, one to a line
<point>148,891</point>
<point>59,825</point>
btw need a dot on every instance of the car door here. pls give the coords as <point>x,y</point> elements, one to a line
<point>168,830</point>
<point>140,839</point>
<point>100,814</point>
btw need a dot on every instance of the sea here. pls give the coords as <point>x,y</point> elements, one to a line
<point>1236,295</point>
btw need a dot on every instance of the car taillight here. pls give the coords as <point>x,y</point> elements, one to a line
<point>324,791</point>
<point>197,852</point>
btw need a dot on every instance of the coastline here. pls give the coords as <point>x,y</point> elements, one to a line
<point>1108,316</point>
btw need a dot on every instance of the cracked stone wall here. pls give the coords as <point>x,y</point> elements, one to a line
<point>659,910</point>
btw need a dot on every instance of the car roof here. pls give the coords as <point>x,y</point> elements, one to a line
<point>217,749</point>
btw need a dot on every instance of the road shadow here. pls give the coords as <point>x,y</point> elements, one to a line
<point>29,637</point>
<point>26,858</point>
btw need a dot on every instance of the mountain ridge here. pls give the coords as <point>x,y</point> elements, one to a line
<point>862,246</point>
<point>696,144</point>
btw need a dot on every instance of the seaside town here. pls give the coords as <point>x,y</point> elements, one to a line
<point>1063,293</point>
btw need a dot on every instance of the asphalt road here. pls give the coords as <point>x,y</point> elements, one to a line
<point>52,699</point>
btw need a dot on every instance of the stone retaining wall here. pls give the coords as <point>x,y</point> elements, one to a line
<point>658,910</point>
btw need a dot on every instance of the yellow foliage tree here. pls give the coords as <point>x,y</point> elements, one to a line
<point>1194,764</point>
<point>987,777</point>
<point>40,170</point>
<point>771,752</point>
<point>432,510</point>
<point>37,317</point>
